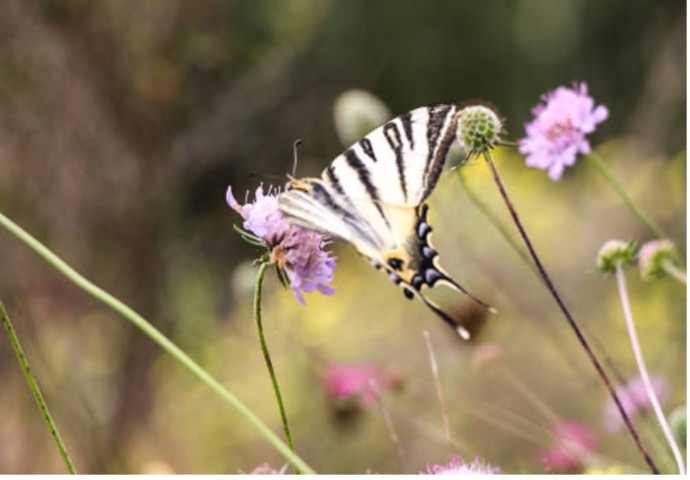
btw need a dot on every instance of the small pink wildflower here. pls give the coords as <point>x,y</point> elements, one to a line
<point>458,467</point>
<point>558,132</point>
<point>635,401</point>
<point>298,251</point>
<point>351,383</point>
<point>574,442</point>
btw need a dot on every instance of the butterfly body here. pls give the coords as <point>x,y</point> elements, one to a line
<point>373,196</point>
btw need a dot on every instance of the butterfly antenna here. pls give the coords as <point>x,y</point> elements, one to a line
<point>296,144</point>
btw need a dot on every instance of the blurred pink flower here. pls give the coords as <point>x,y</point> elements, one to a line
<point>486,354</point>
<point>352,382</point>
<point>635,401</point>
<point>557,134</point>
<point>574,442</point>
<point>298,251</point>
<point>458,467</point>
<point>265,469</point>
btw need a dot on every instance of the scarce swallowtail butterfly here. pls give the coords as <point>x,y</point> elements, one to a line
<point>373,196</point>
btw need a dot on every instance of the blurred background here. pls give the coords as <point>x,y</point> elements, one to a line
<point>122,123</point>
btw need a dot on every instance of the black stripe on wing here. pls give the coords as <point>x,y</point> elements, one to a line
<point>363,173</point>
<point>392,134</point>
<point>319,194</point>
<point>438,144</point>
<point>406,121</point>
<point>367,148</point>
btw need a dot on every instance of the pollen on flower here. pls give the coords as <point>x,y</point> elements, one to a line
<point>298,251</point>
<point>558,132</point>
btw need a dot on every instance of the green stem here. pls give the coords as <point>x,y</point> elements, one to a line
<point>267,356</point>
<point>158,338</point>
<point>35,390</point>
<point>606,173</point>
<point>671,269</point>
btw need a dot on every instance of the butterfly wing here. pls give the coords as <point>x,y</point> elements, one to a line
<point>372,197</point>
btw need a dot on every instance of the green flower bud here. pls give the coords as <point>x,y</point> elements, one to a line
<point>478,129</point>
<point>613,253</point>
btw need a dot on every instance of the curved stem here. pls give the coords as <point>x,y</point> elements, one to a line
<point>158,338</point>
<point>606,173</point>
<point>625,303</point>
<point>35,390</point>
<point>267,356</point>
<point>571,321</point>
<point>671,269</point>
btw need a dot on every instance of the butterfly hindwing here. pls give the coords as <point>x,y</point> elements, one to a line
<point>372,197</point>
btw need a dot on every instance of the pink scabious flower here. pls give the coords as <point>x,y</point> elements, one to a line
<point>296,250</point>
<point>351,384</point>
<point>574,442</point>
<point>635,401</point>
<point>458,467</point>
<point>558,132</point>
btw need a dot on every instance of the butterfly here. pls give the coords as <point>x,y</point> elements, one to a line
<point>373,196</point>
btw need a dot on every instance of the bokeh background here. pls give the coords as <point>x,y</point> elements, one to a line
<point>123,122</point>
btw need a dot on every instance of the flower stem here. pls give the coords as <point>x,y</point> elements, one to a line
<point>439,390</point>
<point>671,269</point>
<point>158,338</point>
<point>625,303</point>
<point>595,160</point>
<point>35,390</point>
<point>267,356</point>
<point>571,321</point>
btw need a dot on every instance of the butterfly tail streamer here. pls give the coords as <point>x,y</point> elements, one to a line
<point>462,331</point>
<point>453,284</point>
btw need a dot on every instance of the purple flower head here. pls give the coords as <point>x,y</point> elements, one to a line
<point>574,442</point>
<point>635,401</point>
<point>458,467</point>
<point>296,250</point>
<point>558,132</point>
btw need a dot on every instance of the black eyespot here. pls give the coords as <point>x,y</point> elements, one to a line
<point>395,264</point>
<point>408,293</point>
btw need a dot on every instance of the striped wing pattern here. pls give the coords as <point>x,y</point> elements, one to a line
<point>372,196</point>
